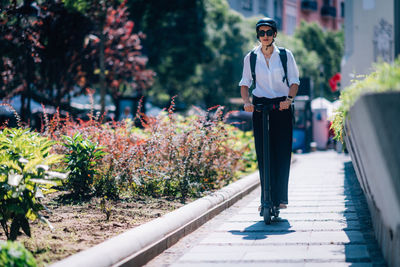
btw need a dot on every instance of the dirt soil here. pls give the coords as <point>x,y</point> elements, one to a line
<point>83,225</point>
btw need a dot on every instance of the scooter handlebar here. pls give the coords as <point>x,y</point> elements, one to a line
<point>266,107</point>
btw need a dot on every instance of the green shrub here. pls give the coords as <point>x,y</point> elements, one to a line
<point>82,160</point>
<point>172,156</point>
<point>24,163</point>
<point>187,156</point>
<point>249,157</point>
<point>105,184</point>
<point>385,78</point>
<point>14,254</point>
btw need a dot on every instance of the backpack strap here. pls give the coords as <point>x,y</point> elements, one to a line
<point>253,59</point>
<point>283,56</point>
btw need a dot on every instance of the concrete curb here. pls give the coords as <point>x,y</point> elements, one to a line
<point>139,245</point>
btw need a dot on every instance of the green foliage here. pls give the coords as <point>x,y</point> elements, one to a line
<point>105,207</point>
<point>385,78</point>
<point>187,156</point>
<point>216,80</point>
<point>173,156</point>
<point>249,156</point>
<point>195,47</point>
<point>329,47</point>
<point>105,184</point>
<point>82,160</point>
<point>308,62</point>
<point>93,8</point>
<point>14,254</point>
<point>247,27</point>
<point>175,36</point>
<point>78,5</point>
<point>24,163</point>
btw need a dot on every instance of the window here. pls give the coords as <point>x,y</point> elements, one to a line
<point>262,8</point>
<point>278,10</point>
<point>290,24</point>
<point>348,31</point>
<point>342,9</point>
<point>247,4</point>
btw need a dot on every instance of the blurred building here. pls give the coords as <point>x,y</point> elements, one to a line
<point>288,13</point>
<point>370,30</point>
<point>327,13</point>
<point>266,8</point>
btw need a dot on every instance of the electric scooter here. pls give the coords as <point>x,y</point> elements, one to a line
<point>267,208</point>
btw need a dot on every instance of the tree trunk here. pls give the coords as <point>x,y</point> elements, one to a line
<point>117,108</point>
<point>102,73</point>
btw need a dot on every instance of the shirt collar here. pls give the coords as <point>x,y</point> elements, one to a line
<point>276,50</point>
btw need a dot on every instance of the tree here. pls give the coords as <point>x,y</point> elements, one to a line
<point>308,62</point>
<point>120,65</point>
<point>174,44</point>
<point>219,76</point>
<point>96,10</point>
<point>60,52</point>
<point>62,66</point>
<point>124,66</point>
<point>329,48</point>
<point>19,49</point>
<point>41,55</point>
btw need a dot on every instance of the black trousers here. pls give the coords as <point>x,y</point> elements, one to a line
<point>280,142</point>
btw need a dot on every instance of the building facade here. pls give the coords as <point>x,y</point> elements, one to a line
<point>370,31</point>
<point>327,13</point>
<point>289,13</point>
<point>261,8</point>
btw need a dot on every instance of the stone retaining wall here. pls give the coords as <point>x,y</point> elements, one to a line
<point>373,140</point>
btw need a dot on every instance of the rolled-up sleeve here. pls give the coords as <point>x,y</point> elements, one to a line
<point>247,79</point>
<point>293,71</point>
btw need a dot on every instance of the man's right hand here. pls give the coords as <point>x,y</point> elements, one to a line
<point>248,107</point>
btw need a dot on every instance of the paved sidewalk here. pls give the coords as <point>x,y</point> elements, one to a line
<point>327,223</point>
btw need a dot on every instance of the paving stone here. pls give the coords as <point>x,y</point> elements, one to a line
<point>326,224</point>
<point>311,203</point>
<point>276,253</point>
<point>351,253</point>
<point>287,224</point>
<point>339,264</point>
<point>212,257</point>
<point>253,216</point>
<point>343,237</point>
<point>314,198</point>
<point>320,216</point>
<point>308,253</point>
<point>236,264</point>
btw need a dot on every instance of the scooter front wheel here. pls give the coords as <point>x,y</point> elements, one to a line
<point>267,216</point>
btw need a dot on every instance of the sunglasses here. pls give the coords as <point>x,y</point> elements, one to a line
<point>268,33</point>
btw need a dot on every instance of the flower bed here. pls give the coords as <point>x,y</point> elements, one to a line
<point>120,176</point>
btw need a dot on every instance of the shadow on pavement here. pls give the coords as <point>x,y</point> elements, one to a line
<point>357,211</point>
<point>260,230</point>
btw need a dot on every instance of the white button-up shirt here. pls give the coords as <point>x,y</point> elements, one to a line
<point>269,80</point>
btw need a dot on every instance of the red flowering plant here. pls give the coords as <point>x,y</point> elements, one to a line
<point>114,51</point>
<point>188,156</point>
<point>173,156</point>
<point>114,138</point>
